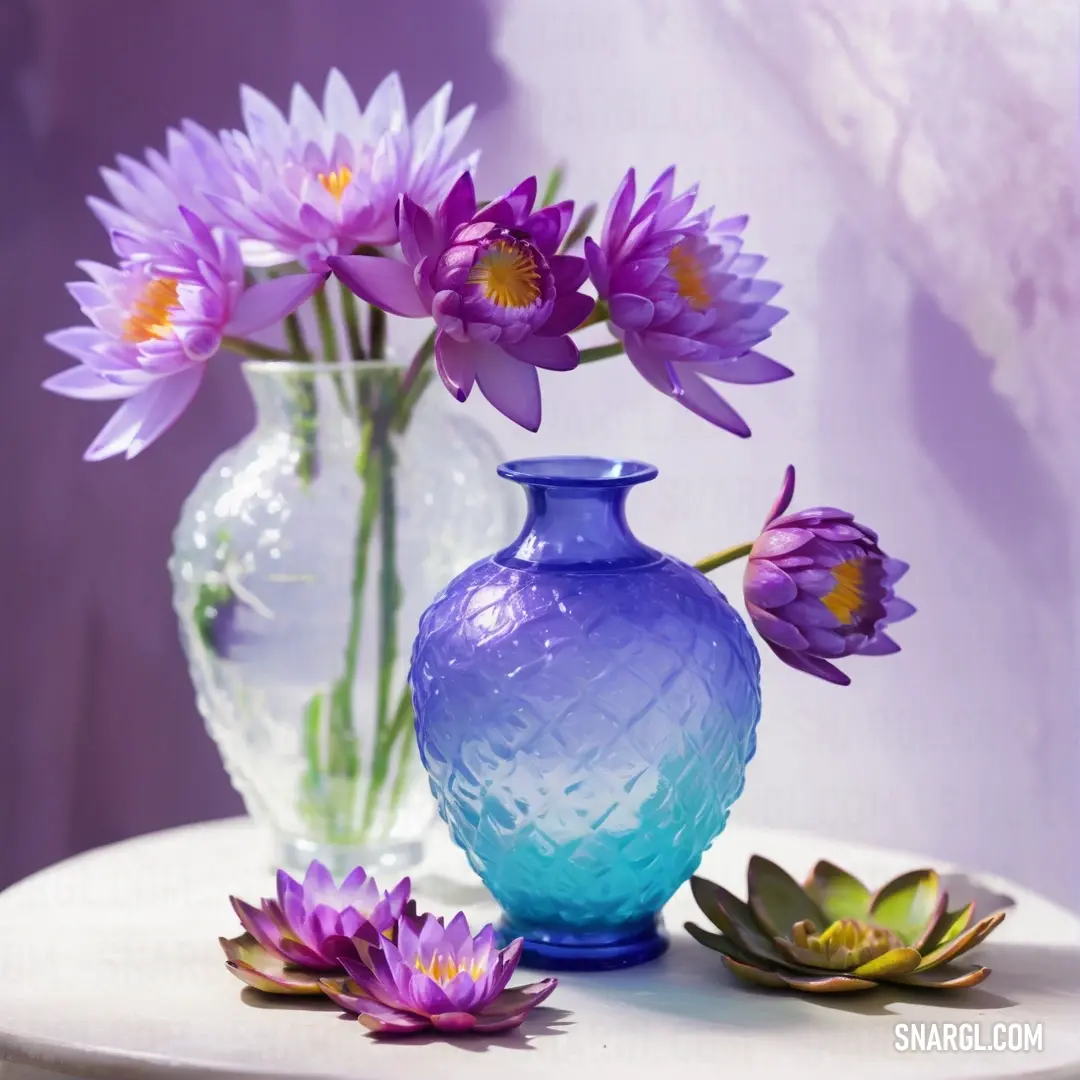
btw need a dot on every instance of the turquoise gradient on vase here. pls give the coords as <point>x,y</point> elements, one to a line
<point>585,709</point>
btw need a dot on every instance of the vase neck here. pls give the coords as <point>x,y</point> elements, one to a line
<point>331,395</point>
<point>577,515</point>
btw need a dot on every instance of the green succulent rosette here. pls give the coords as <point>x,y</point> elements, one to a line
<point>833,935</point>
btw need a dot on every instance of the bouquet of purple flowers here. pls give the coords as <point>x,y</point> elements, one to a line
<point>221,237</point>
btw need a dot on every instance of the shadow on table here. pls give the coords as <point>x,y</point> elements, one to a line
<point>1015,970</point>
<point>689,981</point>
<point>542,1022</point>
<point>296,1002</point>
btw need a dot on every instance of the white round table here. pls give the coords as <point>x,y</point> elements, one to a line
<point>110,968</point>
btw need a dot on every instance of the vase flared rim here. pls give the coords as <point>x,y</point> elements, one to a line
<point>320,367</point>
<point>579,472</point>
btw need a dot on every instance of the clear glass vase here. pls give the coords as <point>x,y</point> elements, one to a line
<point>586,707</point>
<point>302,561</point>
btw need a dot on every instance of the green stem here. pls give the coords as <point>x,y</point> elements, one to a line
<point>352,323</point>
<point>295,337</point>
<point>403,726</point>
<point>389,604</point>
<point>601,352</point>
<point>730,554</point>
<point>253,350</point>
<point>327,330</point>
<point>377,333</point>
<point>554,185</point>
<point>343,757</point>
<point>416,365</point>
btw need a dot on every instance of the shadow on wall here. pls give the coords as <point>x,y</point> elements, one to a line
<point>100,738</point>
<point>983,451</point>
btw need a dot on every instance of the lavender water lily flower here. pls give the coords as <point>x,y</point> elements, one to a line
<point>149,193</point>
<point>504,302</point>
<point>818,587</point>
<point>437,977</point>
<point>324,181</point>
<point>157,320</point>
<point>307,932</point>
<point>684,298</point>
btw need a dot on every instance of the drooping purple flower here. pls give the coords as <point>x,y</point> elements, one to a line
<point>683,297</point>
<point>157,320</point>
<point>310,929</point>
<point>325,181</point>
<point>818,587</point>
<point>437,977</point>
<point>503,300</point>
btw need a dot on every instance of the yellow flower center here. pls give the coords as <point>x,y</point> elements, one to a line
<point>844,944</point>
<point>846,595</point>
<point>685,267</point>
<point>508,275</point>
<point>443,968</point>
<point>337,181</point>
<point>150,314</point>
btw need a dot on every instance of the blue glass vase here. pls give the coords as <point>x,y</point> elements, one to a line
<point>585,709</point>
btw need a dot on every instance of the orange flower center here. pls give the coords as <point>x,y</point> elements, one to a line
<point>508,275</point>
<point>685,267</point>
<point>337,181</point>
<point>846,595</point>
<point>150,315</point>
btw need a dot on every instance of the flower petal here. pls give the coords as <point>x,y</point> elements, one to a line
<point>552,353</point>
<point>518,999</point>
<point>386,283</point>
<point>511,386</point>
<point>751,367</point>
<point>453,1022</point>
<point>897,609</point>
<point>597,263</point>
<point>257,967</point>
<point>774,542</point>
<point>630,311</point>
<point>775,630</point>
<point>808,611</point>
<point>567,314</point>
<point>692,392</point>
<point>268,302</point>
<point>879,645</point>
<point>618,214</point>
<point>812,665</point>
<point>161,406</point>
<point>85,384</point>
<point>455,362</point>
<point>568,272</point>
<point>767,586</point>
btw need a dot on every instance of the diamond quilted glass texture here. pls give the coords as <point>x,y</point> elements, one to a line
<point>586,707</point>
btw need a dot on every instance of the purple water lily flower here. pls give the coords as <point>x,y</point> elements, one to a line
<point>683,297</point>
<point>310,929</point>
<point>437,977</point>
<point>503,300</point>
<point>818,587</point>
<point>150,193</point>
<point>157,320</point>
<point>325,181</point>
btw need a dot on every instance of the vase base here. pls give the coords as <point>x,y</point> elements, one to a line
<point>295,853</point>
<point>568,950</point>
